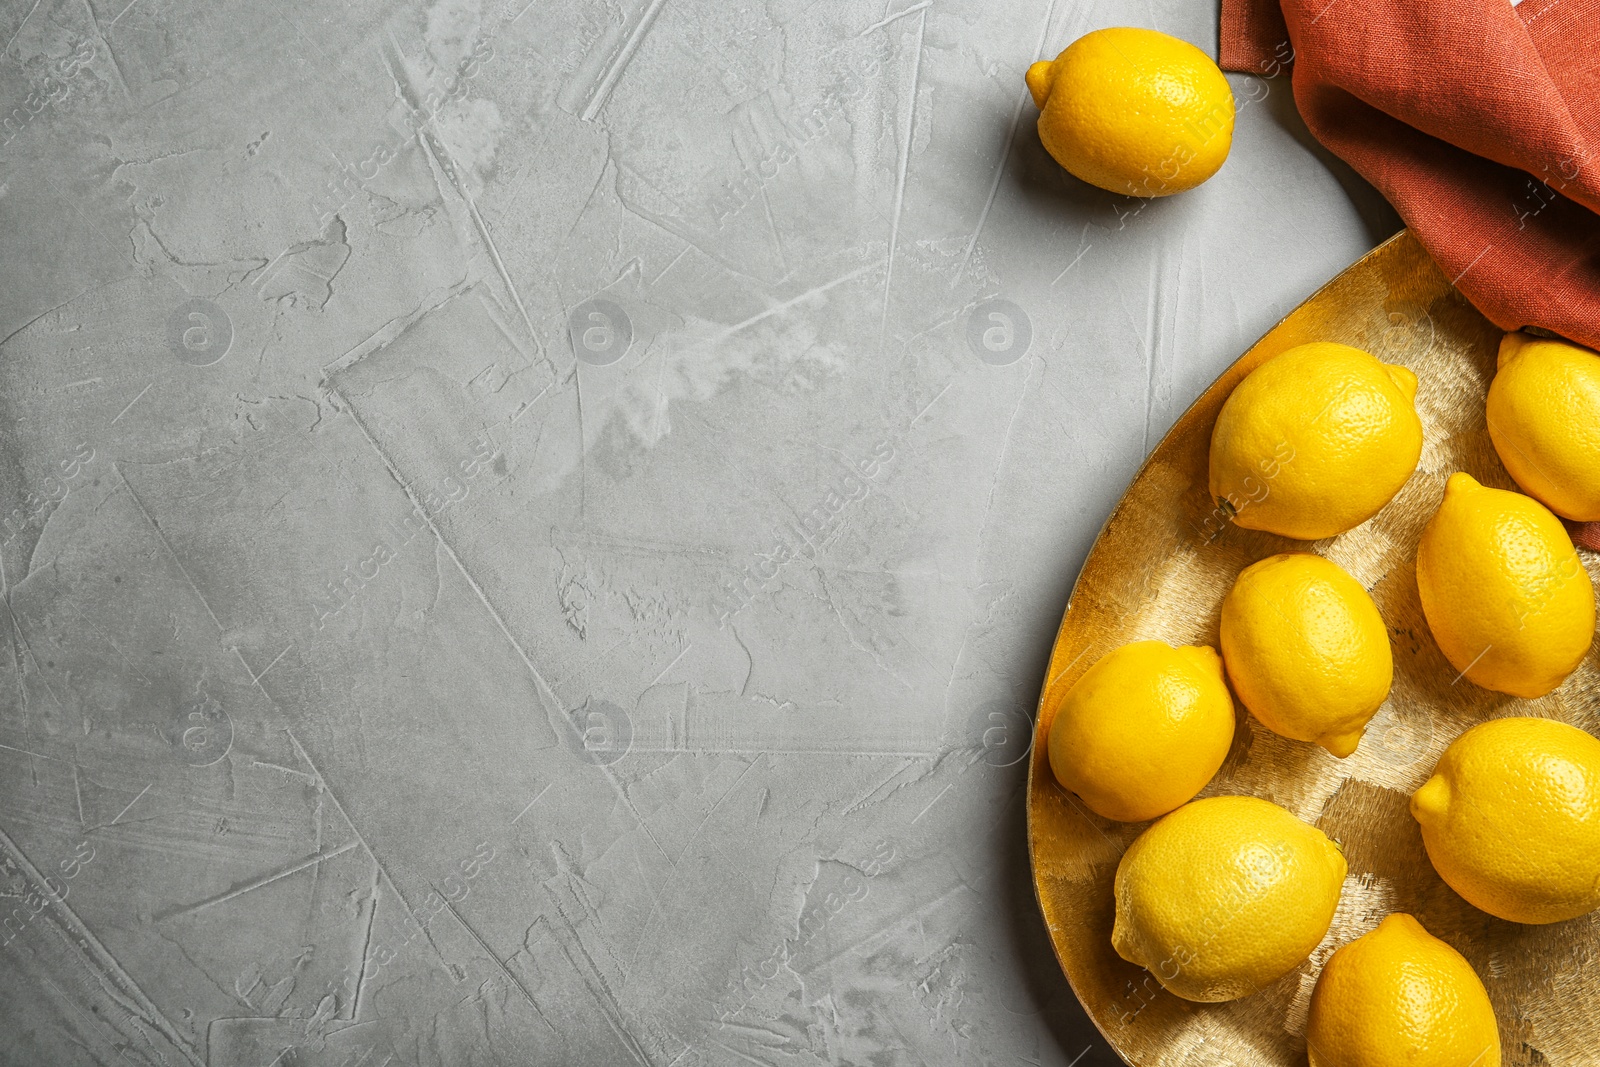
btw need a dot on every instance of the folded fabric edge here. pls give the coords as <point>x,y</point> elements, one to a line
<point>1254,38</point>
<point>1585,534</point>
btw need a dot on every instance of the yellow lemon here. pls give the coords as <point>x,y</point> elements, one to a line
<point>1400,997</point>
<point>1511,819</point>
<point>1544,419</point>
<point>1315,441</point>
<point>1503,589</point>
<point>1134,111</point>
<point>1225,896</point>
<point>1306,649</point>
<point>1143,730</point>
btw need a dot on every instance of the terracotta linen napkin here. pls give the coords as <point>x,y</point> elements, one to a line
<point>1478,120</point>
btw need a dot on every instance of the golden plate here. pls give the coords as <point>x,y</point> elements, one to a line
<point>1160,569</point>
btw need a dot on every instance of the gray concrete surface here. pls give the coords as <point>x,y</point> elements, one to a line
<point>532,530</point>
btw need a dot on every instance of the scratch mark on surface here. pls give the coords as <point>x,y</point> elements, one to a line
<point>875,790</point>
<point>124,11</point>
<point>1154,318</point>
<point>135,400</point>
<point>838,619</point>
<point>498,962</point>
<point>547,694</point>
<point>73,1004</point>
<point>106,637</point>
<point>955,665</point>
<point>900,181</point>
<point>750,660</point>
<point>366,946</point>
<point>20,26</point>
<point>449,550</point>
<point>999,172</point>
<point>523,10</point>
<point>582,211</point>
<point>72,202</point>
<point>916,418</point>
<point>531,803</point>
<point>162,534</point>
<point>1005,448</point>
<point>256,883</point>
<point>586,666</point>
<point>111,53</point>
<point>932,802</point>
<point>488,239</point>
<point>726,793</point>
<point>34,755</point>
<point>14,635</point>
<point>787,304</point>
<point>656,280</point>
<point>528,405</point>
<point>107,971</point>
<point>769,1036</point>
<point>610,1010</point>
<point>324,789</point>
<point>655,908</point>
<point>283,770</point>
<point>386,334</point>
<point>686,647</point>
<point>900,920</point>
<point>673,228</point>
<point>627,801</point>
<point>729,1048</point>
<point>1084,244</point>
<point>639,942</point>
<point>897,16</point>
<point>47,312</point>
<point>194,588</point>
<point>432,148</point>
<point>623,57</point>
<point>131,803</point>
<point>257,678</point>
<point>772,228</point>
<point>19,638</point>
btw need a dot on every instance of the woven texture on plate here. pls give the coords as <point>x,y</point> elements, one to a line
<point>1479,121</point>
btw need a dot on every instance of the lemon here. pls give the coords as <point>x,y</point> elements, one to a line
<point>1315,441</point>
<point>1143,730</point>
<point>1503,590</point>
<point>1544,419</point>
<point>1225,896</point>
<point>1511,819</point>
<point>1134,111</point>
<point>1306,649</point>
<point>1400,997</point>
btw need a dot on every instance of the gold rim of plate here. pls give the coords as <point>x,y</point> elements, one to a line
<point>1160,568</point>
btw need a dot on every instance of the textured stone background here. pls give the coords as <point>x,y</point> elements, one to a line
<point>533,530</point>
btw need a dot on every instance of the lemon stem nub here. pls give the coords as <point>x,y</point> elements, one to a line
<point>1432,799</point>
<point>1040,77</point>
